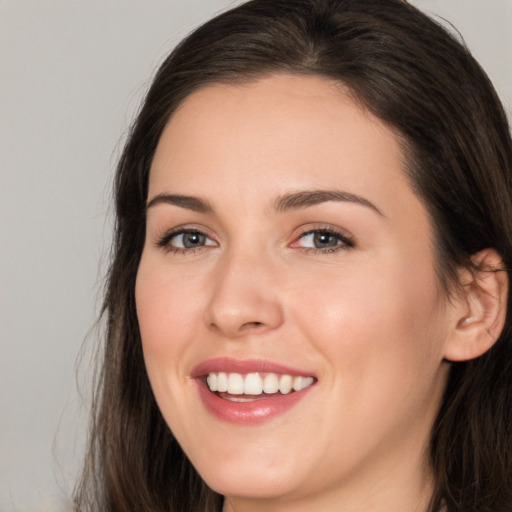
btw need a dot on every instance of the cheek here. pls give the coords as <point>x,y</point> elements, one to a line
<point>165,311</point>
<point>382,335</point>
<point>375,316</point>
<point>168,317</point>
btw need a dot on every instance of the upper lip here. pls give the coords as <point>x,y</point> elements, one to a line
<point>244,366</point>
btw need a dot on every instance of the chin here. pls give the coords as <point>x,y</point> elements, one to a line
<point>254,482</point>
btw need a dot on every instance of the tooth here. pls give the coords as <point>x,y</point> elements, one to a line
<point>285,384</point>
<point>271,383</point>
<point>307,382</point>
<point>298,383</point>
<point>222,382</point>
<point>235,384</point>
<point>212,381</point>
<point>253,384</point>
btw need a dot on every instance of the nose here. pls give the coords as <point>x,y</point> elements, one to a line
<point>245,298</point>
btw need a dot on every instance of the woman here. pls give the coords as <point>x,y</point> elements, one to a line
<point>308,302</point>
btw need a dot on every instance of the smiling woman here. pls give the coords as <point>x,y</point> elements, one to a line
<point>321,290</point>
<point>308,304</point>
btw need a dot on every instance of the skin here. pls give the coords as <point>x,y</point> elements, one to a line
<point>367,318</point>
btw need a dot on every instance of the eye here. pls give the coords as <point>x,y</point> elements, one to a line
<point>185,240</point>
<point>189,240</point>
<point>323,240</point>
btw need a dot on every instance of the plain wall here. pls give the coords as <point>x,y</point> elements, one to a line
<point>71,76</point>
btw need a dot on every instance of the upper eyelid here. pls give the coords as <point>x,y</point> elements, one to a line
<point>164,238</point>
<point>188,228</point>
<point>332,231</point>
<point>326,228</point>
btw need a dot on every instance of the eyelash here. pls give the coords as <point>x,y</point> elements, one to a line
<point>164,241</point>
<point>345,242</point>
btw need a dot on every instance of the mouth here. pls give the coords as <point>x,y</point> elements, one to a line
<point>250,392</point>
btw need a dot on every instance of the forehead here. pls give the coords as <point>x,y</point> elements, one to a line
<point>281,124</point>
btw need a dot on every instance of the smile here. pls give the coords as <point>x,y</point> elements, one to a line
<point>250,392</point>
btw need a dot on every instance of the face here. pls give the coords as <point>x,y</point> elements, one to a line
<point>292,324</point>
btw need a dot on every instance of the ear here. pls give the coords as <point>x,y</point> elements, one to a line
<point>481,307</point>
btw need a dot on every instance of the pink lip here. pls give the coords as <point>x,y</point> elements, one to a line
<point>246,413</point>
<point>229,365</point>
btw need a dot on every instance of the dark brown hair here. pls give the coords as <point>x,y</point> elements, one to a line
<point>419,79</point>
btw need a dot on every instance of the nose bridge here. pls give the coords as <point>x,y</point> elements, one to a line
<point>244,298</point>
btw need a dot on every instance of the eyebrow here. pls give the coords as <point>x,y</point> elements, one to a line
<point>188,202</point>
<point>308,198</point>
<point>292,201</point>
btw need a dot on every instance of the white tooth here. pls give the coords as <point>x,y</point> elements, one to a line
<point>298,383</point>
<point>271,383</point>
<point>222,382</point>
<point>285,384</point>
<point>212,381</point>
<point>307,382</point>
<point>253,385</point>
<point>235,384</point>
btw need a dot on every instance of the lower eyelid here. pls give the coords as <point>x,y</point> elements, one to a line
<point>325,250</point>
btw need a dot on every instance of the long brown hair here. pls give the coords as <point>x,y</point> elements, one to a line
<point>411,73</point>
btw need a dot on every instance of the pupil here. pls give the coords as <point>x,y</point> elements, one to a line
<point>193,239</point>
<point>322,240</point>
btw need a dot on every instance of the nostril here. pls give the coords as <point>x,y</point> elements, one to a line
<point>244,328</point>
<point>249,326</point>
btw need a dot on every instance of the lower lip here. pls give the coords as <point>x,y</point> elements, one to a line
<point>249,413</point>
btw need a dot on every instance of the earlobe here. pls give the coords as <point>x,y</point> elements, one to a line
<point>481,308</point>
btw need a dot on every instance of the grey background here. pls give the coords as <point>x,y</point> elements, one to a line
<point>71,76</point>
